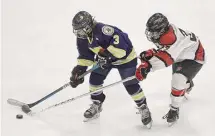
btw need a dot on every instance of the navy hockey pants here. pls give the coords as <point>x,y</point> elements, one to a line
<point>133,88</point>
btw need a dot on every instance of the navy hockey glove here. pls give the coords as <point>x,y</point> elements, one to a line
<point>143,70</point>
<point>104,59</point>
<point>76,72</point>
<point>147,55</point>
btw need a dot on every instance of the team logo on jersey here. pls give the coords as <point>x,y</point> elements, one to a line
<point>107,30</point>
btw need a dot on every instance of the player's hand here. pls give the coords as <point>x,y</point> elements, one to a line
<point>143,70</point>
<point>76,72</point>
<point>104,59</point>
<point>147,55</point>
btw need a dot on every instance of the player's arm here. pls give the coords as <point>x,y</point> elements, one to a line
<point>86,56</point>
<point>166,57</point>
<point>85,59</point>
<point>153,60</point>
<point>161,59</point>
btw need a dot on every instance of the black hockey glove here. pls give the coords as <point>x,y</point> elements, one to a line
<point>147,55</point>
<point>104,59</point>
<point>76,72</point>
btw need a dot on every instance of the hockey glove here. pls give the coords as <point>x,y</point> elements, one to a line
<point>147,55</point>
<point>143,70</point>
<point>76,72</point>
<point>104,59</point>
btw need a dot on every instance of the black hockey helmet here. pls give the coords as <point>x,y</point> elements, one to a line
<point>156,25</point>
<point>82,24</point>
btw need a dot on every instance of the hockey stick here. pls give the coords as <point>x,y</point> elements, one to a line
<point>83,95</point>
<point>26,107</point>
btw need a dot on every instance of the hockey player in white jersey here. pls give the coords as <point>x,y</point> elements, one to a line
<point>181,49</point>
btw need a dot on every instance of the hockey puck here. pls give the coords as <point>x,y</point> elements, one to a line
<point>19,116</point>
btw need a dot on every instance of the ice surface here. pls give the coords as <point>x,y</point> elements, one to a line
<point>39,52</point>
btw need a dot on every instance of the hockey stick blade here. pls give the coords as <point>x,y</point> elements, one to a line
<point>15,102</point>
<point>25,108</point>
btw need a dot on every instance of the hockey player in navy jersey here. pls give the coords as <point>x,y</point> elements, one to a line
<point>181,49</point>
<point>111,48</point>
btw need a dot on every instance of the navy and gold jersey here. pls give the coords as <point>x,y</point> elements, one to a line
<point>107,37</point>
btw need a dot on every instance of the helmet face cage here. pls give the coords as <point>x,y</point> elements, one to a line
<point>80,33</point>
<point>83,33</point>
<point>152,36</point>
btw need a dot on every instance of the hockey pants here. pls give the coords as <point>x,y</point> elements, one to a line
<point>133,88</point>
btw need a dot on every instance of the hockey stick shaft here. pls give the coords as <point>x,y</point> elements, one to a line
<point>20,104</point>
<point>61,88</point>
<point>89,93</point>
<point>49,95</point>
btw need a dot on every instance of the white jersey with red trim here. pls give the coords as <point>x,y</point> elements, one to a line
<point>177,45</point>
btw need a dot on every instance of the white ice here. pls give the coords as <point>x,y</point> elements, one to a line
<point>39,51</point>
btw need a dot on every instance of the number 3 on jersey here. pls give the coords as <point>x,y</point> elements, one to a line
<point>116,39</point>
<point>192,35</point>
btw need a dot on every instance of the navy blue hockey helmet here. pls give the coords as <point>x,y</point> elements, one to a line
<point>82,24</point>
<point>156,25</point>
